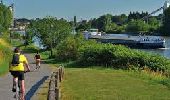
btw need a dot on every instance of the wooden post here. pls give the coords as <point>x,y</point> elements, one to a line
<point>60,74</point>
<point>56,78</point>
<point>57,93</point>
<point>51,92</point>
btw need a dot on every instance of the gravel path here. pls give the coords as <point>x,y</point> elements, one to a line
<point>33,81</point>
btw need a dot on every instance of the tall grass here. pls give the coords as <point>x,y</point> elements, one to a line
<point>4,67</point>
<point>5,55</point>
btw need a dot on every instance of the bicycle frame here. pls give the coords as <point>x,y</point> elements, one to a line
<point>18,94</point>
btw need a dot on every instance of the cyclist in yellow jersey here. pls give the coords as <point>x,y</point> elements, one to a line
<point>17,71</point>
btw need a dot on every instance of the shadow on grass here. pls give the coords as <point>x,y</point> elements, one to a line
<point>165,82</point>
<point>34,88</point>
<point>67,64</point>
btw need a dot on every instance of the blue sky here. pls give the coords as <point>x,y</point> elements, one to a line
<point>83,9</point>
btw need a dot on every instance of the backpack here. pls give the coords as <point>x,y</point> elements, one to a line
<point>15,60</point>
<point>37,56</point>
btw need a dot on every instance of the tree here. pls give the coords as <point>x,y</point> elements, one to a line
<point>104,22</point>
<point>136,15</point>
<point>5,18</point>
<point>68,48</point>
<point>94,23</point>
<point>166,22</point>
<point>50,31</point>
<point>83,25</point>
<point>121,19</point>
<point>154,24</point>
<point>137,26</point>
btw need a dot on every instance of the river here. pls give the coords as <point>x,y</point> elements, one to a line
<point>162,51</point>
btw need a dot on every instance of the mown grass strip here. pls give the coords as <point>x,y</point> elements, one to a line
<point>108,84</point>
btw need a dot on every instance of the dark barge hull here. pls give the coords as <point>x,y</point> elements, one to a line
<point>132,43</point>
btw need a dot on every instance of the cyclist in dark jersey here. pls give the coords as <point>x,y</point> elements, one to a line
<point>37,60</point>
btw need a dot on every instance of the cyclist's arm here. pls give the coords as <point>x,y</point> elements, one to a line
<point>26,63</point>
<point>27,66</point>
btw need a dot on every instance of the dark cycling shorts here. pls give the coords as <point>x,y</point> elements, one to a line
<point>19,74</point>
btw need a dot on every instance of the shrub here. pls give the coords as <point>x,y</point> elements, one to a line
<point>68,48</point>
<point>118,56</point>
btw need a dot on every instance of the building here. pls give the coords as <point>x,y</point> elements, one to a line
<point>21,24</point>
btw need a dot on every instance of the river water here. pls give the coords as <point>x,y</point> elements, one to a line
<point>162,51</point>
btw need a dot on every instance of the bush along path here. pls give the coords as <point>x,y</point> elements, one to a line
<point>33,80</point>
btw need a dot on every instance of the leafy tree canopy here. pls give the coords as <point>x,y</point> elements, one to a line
<point>5,18</point>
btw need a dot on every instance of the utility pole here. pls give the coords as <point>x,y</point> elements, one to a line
<point>12,10</point>
<point>11,7</point>
<point>74,25</point>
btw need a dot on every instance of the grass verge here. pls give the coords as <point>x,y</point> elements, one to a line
<point>5,53</point>
<point>4,67</point>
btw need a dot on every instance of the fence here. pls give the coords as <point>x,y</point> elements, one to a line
<point>56,78</point>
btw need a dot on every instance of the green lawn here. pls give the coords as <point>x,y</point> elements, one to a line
<point>108,84</point>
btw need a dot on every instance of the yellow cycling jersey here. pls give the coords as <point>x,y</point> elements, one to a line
<point>20,66</point>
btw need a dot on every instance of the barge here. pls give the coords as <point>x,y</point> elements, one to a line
<point>130,41</point>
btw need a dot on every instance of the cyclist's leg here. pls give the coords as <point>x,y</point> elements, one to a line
<point>22,85</point>
<point>15,79</point>
<point>36,62</point>
<point>39,63</point>
<point>22,89</point>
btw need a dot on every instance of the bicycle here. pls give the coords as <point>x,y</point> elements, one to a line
<point>18,92</point>
<point>17,95</point>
